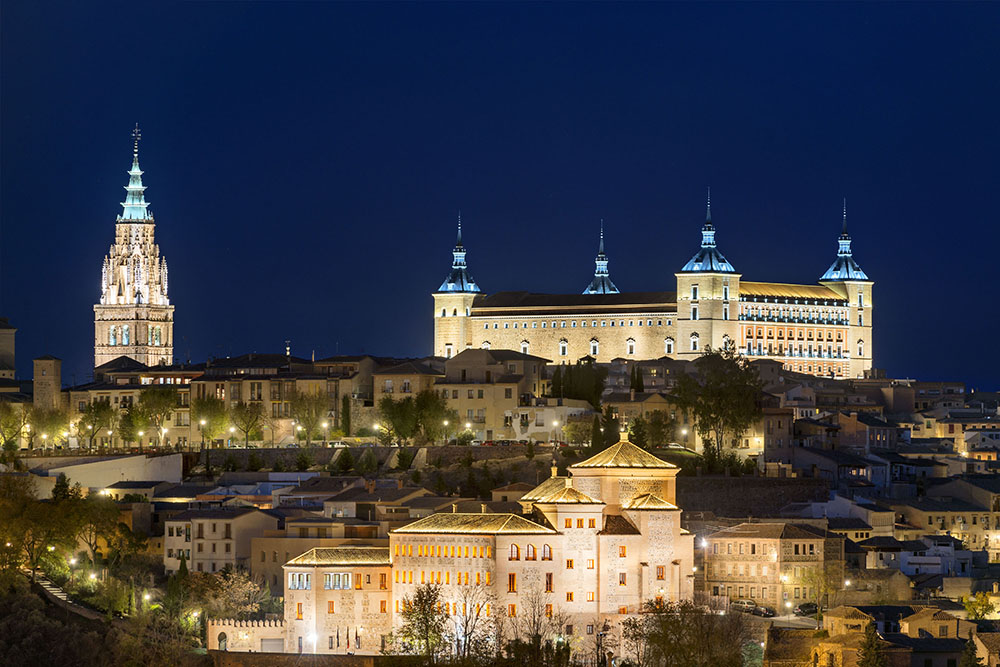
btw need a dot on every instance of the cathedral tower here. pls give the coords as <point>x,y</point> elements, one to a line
<point>846,278</point>
<point>708,294</point>
<point>453,305</point>
<point>134,317</point>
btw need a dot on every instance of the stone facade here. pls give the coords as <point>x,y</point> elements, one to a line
<point>823,329</point>
<point>134,317</point>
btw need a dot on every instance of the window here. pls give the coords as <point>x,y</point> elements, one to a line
<point>621,579</point>
<point>590,563</point>
<point>568,523</point>
<point>569,563</point>
<point>621,551</point>
<point>623,610</point>
<point>590,596</point>
<point>694,292</point>
<point>298,611</point>
<point>725,292</point>
<point>595,347</point>
<point>668,346</point>
<point>660,572</point>
<point>694,342</point>
<point>382,606</point>
<point>861,348</point>
<point>548,582</point>
<point>530,552</point>
<point>569,596</point>
<point>630,346</point>
<point>511,583</point>
<point>694,312</point>
<point>525,346</point>
<point>329,607</point>
<point>579,523</point>
<point>512,610</point>
<point>563,348</point>
<point>591,523</point>
<point>515,552</point>
<point>546,552</point>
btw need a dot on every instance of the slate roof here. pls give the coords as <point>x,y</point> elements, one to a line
<point>212,513</point>
<point>766,531</point>
<point>343,555</point>
<point>361,495</point>
<point>528,303</point>
<point>847,523</point>
<point>649,501</point>
<point>615,524</point>
<point>816,292</point>
<point>409,368</point>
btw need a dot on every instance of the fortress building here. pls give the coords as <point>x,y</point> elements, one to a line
<point>134,317</point>
<point>823,329</point>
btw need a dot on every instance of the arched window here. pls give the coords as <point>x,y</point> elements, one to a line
<point>444,313</point>
<point>156,336</point>
<point>515,552</point>
<point>454,312</point>
<point>112,339</point>
<point>529,553</point>
<point>630,346</point>
<point>525,346</point>
<point>694,342</point>
<point>861,348</point>
<point>668,345</point>
<point>125,335</point>
<point>222,641</point>
<point>486,345</point>
<point>546,552</point>
<point>563,347</point>
<point>595,347</point>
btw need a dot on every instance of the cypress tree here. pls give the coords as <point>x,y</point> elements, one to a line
<point>639,385</point>
<point>596,437</point>
<point>345,415</point>
<point>870,652</point>
<point>557,384</point>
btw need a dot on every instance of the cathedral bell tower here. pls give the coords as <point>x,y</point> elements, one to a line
<point>708,295</point>
<point>453,305</point>
<point>134,317</point>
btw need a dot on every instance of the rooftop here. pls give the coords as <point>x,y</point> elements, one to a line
<point>474,524</point>
<point>623,454</point>
<point>343,555</point>
<point>776,290</point>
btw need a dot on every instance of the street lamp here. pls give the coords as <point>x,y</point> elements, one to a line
<point>326,432</point>
<point>445,423</point>
<point>555,425</point>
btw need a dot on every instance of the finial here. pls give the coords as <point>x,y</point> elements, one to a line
<point>459,227</point>
<point>708,208</point>
<point>136,135</point>
<point>844,230</point>
<point>600,249</point>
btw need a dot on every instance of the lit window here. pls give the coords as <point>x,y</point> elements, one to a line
<point>569,596</point>
<point>569,563</point>
<point>546,552</point>
<point>621,579</point>
<point>621,551</point>
<point>515,552</point>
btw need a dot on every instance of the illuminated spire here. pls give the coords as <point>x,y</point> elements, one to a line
<point>708,259</point>
<point>459,279</point>
<point>134,206</point>
<point>844,267</point>
<point>601,284</point>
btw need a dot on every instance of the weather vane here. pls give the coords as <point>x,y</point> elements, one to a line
<point>137,135</point>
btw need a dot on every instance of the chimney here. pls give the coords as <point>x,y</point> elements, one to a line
<point>555,469</point>
<point>569,482</point>
<point>631,394</point>
<point>454,508</point>
<point>370,485</point>
<point>482,508</point>
<point>399,483</point>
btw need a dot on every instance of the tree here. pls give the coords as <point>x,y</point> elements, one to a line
<point>345,462</point>
<point>423,621</point>
<point>97,519</point>
<point>399,418</point>
<point>432,412</point>
<point>60,490</point>
<point>50,424</point>
<point>345,415</point>
<point>661,428</point>
<point>237,595</point>
<point>309,409</point>
<point>870,652</point>
<point>576,432</point>
<point>132,422</point>
<point>212,411</point>
<point>470,626</point>
<point>638,432</point>
<point>611,427</point>
<point>13,418</point>
<point>640,386</point>
<point>596,435</point>
<point>556,382</point>
<point>978,607</point>
<point>157,402</point>
<point>96,417</point>
<point>683,633</point>
<point>969,657</point>
<point>723,398</point>
<point>247,417</point>
<point>124,544</point>
<point>367,464</point>
<point>824,580</point>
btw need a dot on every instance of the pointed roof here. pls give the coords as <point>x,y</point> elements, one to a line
<point>708,259</point>
<point>601,284</point>
<point>844,267</point>
<point>569,496</point>
<point>623,454</point>
<point>135,207</point>
<point>479,524</point>
<point>459,279</point>
<point>546,488</point>
<point>649,501</point>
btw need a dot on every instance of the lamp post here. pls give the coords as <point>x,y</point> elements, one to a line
<point>326,433</point>
<point>555,425</point>
<point>684,434</point>
<point>202,429</point>
<point>445,423</point>
<point>232,432</point>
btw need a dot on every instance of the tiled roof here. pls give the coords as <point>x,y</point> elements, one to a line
<point>546,488</point>
<point>648,501</point>
<point>343,555</point>
<point>532,301</point>
<point>819,292</point>
<point>516,486</point>
<point>475,524</point>
<point>623,455</point>
<point>766,531</point>
<point>615,524</point>
<point>569,495</point>
<point>190,515</point>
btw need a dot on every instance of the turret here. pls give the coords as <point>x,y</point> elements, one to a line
<point>453,305</point>
<point>601,284</point>
<point>846,278</point>
<point>707,297</point>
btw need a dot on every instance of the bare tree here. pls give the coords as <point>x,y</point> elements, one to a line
<point>471,628</point>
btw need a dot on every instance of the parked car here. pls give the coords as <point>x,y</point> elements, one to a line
<point>338,443</point>
<point>293,445</point>
<point>746,606</point>
<point>476,443</point>
<point>806,609</point>
<point>488,443</point>
<point>766,612</point>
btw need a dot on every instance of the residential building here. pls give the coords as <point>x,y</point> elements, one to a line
<point>212,539</point>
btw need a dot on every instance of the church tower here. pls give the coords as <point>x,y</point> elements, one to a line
<point>708,294</point>
<point>453,305</point>
<point>601,284</point>
<point>134,317</point>
<point>846,278</point>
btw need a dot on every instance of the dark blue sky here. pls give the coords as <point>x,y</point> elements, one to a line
<point>305,162</point>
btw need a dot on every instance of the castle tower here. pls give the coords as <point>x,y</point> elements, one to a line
<point>601,284</point>
<point>846,278</point>
<point>134,317</point>
<point>47,383</point>
<point>453,305</point>
<point>708,293</point>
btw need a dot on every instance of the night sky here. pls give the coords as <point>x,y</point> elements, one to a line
<point>306,162</point>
